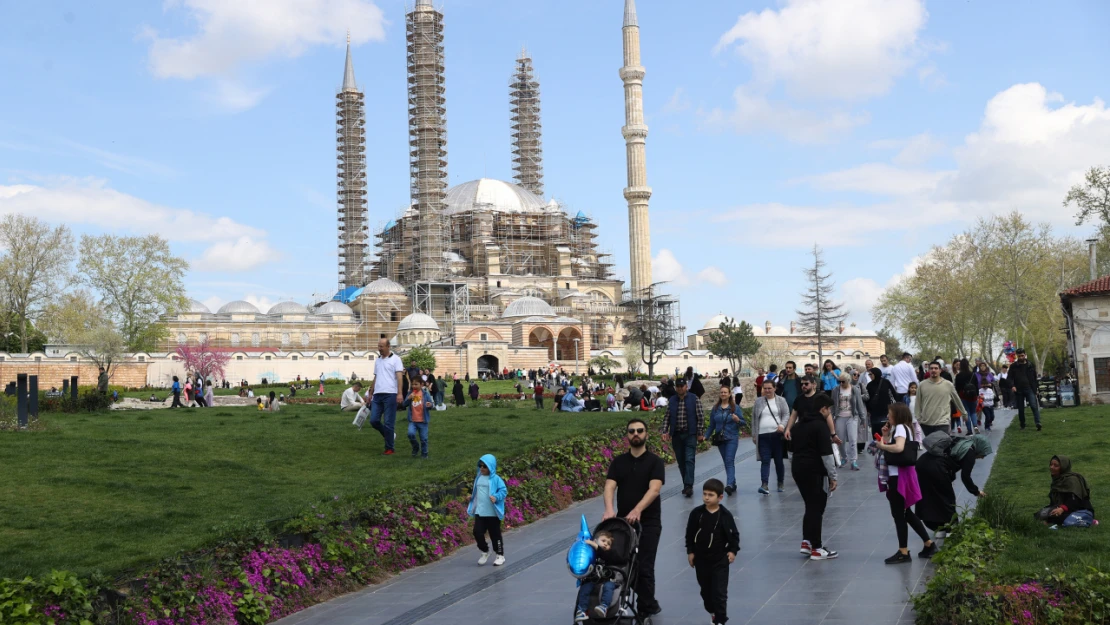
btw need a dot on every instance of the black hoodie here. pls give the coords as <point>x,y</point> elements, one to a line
<point>711,535</point>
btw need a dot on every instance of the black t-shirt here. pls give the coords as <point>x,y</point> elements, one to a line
<point>804,406</point>
<point>633,477</point>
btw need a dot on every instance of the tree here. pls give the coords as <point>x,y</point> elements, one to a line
<point>70,318</point>
<point>632,355</point>
<point>420,357</point>
<point>733,341</point>
<point>650,326</point>
<point>33,267</point>
<point>604,364</point>
<point>203,360</point>
<point>138,280</point>
<point>104,346</point>
<point>893,345</point>
<point>1092,197</point>
<point>819,314</point>
<point>14,335</point>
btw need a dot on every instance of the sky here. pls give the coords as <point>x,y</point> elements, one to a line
<point>873,128</point>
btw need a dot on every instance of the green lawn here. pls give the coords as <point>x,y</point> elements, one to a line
<point>1020,475</point>
<point>490,386</point>
<point>113,491</point>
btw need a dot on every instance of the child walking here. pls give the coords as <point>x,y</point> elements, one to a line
<point>487,506</point>
<point>712,542</point>
<point>418,402</point>
<point>986,404</point>
<point>603,543</point>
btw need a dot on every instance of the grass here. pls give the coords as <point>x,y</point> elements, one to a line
<point>113,491</point>
<point>490,386</point>
<point>1019,485</point>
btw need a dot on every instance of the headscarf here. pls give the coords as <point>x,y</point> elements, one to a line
<point>1068,482</point>
<point>979,444</point>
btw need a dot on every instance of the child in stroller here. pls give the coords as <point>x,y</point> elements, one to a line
<point>615,541</point>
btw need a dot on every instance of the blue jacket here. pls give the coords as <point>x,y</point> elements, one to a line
<point>720,420</point>
<point>571,403</point>
<point>830,379</point>
<point>693,422</point>
<point>429,406</point>
<point>497,487</point>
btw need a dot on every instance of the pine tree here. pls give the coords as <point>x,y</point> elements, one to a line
<point>819,314</point>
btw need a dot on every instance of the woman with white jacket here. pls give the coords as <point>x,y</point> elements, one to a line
<point>769,417</point>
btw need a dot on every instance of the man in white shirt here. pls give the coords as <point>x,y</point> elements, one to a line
<point>886,367</point>
<point>388,393</point>
<point>901,375</point>
<point>865,375</point>
<point>352,398</point>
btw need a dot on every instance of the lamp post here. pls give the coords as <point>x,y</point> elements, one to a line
<point>576,356</point>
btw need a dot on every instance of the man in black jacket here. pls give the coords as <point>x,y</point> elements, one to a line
<point>1023,382</point>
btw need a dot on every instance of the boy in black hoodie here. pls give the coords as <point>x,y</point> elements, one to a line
<point>712,542</point>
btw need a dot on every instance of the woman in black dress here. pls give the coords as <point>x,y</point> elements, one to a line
<point>814,472</point>
<point>457,391</point>
<point>937,469</point>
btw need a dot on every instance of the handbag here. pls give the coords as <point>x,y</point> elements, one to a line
<point>905,458</point>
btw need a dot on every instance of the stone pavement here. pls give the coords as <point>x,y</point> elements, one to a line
<point>770,582</point>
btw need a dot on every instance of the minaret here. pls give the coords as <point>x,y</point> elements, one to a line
<point>427,137</point>
<point>635,134</point>
<point>350,132</point>
<point>524,106</point>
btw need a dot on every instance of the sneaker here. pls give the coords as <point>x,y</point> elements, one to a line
<point>580,617</point>
<point>763,490</point>
<point>781,489</point>
<point>415,453</point>
<point>807,549</point>
<point>899,558</point>
<point>601,610</point>
<point>729,490</point>
<point>688,492</point>
<point>959,430</point>
<point>928,551</point>
<point>1038,427</point>
<point>485,558</point>
<point>977,430</point>
<point>388,452</point>
<point>499,560</point>
<point>855,466</point>
<point>821,553</point>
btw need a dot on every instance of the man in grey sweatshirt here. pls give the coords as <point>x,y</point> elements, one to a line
<point>935,399</point>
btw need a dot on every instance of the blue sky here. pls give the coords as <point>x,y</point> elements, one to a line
<point>875,128</point>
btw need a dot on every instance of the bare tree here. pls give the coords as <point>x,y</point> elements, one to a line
<point>103,345</point>
<point>650,326</point>
<point>819,314</point>
<point>33,267</point>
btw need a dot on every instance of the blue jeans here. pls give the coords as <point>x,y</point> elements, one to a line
<point>770,448</point>
<point>383,416</point>
<point>1027,395</point>
<point>587,588</point>
<point>728,456</point>
<point>685,445</point>
<point>422,446</point>
<point>970,406</point>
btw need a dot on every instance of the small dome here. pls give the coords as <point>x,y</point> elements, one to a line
<point>418,321</point>
<point>778,331</point>
<point>495,195</point>
<point>715,322</point>
<point>238,307</point>
<point>382,286</point>
<point>287,308</point>
<point>527,307</point>
<point>196,307</point>
<point>334,308</point>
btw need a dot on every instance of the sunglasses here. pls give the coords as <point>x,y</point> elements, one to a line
<point>636,430</point>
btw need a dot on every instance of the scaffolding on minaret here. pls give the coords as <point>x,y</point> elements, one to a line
<point>350,139</point>
<point>524,104</point>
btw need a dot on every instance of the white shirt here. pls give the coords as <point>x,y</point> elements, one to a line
<point>898,431</point>
<point>385,374</point>
<point>250,393</point>
<point>887,371</point>
<point>901,375</point>
<point>350,397</point>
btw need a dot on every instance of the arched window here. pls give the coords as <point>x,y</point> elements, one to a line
<point>256,340</point>
<point>284,339</point>
<point>235,340</point>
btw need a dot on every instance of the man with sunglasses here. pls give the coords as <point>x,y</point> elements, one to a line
<point>805,405</point>
<point>633,482</point>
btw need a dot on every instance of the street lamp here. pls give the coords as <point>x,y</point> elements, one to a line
<point>576,356</point>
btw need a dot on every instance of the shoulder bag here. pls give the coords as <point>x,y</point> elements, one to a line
<point>908,456</point>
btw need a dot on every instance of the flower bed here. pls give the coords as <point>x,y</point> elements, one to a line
<point>336,546</point>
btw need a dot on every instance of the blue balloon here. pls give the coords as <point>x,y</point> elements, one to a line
<point>581,556</point>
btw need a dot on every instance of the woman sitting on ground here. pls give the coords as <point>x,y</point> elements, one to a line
<point>937,470</point>
<point>1069,493</point>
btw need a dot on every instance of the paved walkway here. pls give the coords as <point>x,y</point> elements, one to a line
<point>770,583</point>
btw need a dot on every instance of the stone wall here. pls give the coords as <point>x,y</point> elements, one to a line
<point>1092,343</point>
<point>52,373</point>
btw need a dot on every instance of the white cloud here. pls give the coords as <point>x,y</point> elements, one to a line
<point>678,103</point>
<point>233,34</point>
<point>92,201</point>
<point>712,275</point>
<point>839,49</point>
<point>260,302</point>
<point>878,178</point>
<point>242,254</point>
<point>918,149</point>
<point>666,268</point>
<point>861,294</point>
<point>755,113</point>
<point>213,303</point>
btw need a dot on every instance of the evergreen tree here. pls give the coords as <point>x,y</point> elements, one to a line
<point>819,314</point>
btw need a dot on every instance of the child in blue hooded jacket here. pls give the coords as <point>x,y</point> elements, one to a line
<point>487,506</point>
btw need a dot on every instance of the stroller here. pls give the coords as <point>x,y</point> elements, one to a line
<point>622,610</point>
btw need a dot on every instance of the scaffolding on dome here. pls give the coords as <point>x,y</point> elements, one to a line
<point>524,104</point>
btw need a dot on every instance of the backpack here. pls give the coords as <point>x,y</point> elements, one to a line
<point>938,443</point>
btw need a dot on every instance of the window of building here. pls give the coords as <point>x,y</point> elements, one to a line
<point>1,359</point>
<point>305,338</point>
<point>38,358</point>
<point>859,356</point>
<point>371,356</point>
<point>319,358</point>
<point>498,284</point>
<point>142,358</point>
<point>684,357</point>
<point>346,358</point>
<point>483,336</point>
<point>238,358</point>
<point>393,316</point>
<point>295,357</point>
<point>256,339</point>
<point>284,339</point>
<point>568,284</point>
<point>711,357</point>
<point>73,358</point>
<point>380,336</point>
<point>235,339</point>
<point>180,338</point>
<point>267,357</point>
<point>1102,375</point>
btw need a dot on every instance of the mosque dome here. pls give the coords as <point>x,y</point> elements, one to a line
<point>287,308</point>
<point>417,321</point>
<point>238,307</point>
<point>196,307</point>
<point>527,307</point>
<point>715,322</point>
<point>334,308</point>
<point>495,195</point>
<point>383,286</point>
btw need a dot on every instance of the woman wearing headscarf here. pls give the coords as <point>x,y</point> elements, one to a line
<point>880,395</point>
<point>1069,493</point>
<point>936,471</point>
<point>457,391</point>
<point>814,472</point>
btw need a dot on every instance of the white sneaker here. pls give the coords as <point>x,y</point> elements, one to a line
<point>485,558</point>
<point>499,560</point>
<point>806,549</point>
<point>821,553</point>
